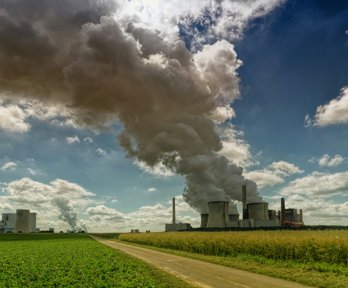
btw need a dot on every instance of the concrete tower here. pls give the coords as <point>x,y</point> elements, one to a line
<point>218,214</point>
<point>204,220</point>
<point>23,224</point>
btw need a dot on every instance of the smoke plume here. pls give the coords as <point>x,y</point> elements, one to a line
<point>68,215</point>
<point>105,67</point>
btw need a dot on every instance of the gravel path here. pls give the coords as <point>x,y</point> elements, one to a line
<point>199,273</point>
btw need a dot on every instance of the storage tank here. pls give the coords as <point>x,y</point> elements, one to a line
<point>23,224</point>
<point>258,211</point>
<point>204,220</point>
<point>218,214</point>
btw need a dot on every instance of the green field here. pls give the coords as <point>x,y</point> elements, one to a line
<point>71,260</point>
<point>316,258</point>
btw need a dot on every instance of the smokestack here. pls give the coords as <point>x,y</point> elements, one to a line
<point>173,211</point>
<point>244,200</point>
<point>282,211</point>
<point>218,214</point>
<point>204,220</point>
<point>301,216</point>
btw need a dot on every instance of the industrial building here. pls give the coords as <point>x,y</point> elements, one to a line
<point>23,221</point>
<point>255,215</point>
<point>176,226</point>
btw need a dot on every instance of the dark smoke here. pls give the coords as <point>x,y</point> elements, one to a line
<point>76,53</point>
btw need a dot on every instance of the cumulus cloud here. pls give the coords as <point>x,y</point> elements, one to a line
<point>235,149</point>
<point>327,161</point>
<point>152,189</point>
<point>8,166</point>
<point>273,174</point>
<point>72,139</point>
<point>53,201</point>
<point>324,185</point>
<point>12,119</point>
<point>335,112</point>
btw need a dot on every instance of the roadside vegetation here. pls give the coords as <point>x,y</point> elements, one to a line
<point>316,258</point>
<point>73,260</point>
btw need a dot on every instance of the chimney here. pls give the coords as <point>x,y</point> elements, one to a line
<point>173,211</point>
<point>244,200</point>
<point>204,220</point>
<point>218,214</point>
<point>301,216</point>
<point>282,211</point>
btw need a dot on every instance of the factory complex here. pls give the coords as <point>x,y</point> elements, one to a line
<point>255,215</point>
<point>23,221</point>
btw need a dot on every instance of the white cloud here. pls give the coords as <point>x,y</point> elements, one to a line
<point>100,152</point>
<point>152,189</point>
<point>39,197</point>
<point>324,185</point>
<point>335,112</point>
<point>32,171</point>
<point>12,119</point>
<point>264,178</point>
<point>88,140</point>
<point>273,174</point>
<point>235,149</point>
<point>328,161</point>
<point>228,18</point>
<point>222,114</point>
<point>72,139</point>
<point>285,167</point>
<point>158,170</point>
<point>8,166</point>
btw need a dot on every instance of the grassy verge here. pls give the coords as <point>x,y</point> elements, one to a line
<point>73,261</point>
<point>314,274</point>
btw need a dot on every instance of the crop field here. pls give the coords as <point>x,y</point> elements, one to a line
<point>317,258</point>
<point>71,260</point>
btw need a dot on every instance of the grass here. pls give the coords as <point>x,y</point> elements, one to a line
<point>65,260</point>
<point>316,258</point>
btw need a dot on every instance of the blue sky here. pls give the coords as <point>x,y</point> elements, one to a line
<point>294,57</point>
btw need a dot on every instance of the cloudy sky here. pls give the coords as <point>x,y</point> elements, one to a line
<point>114,107</point>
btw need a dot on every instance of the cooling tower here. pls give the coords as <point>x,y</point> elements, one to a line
<point>23,224</point>
<point>258,211</point>
<point>233,217</point>
<point>204,220</point>
<point>218,214</point>
<point>244,201</point>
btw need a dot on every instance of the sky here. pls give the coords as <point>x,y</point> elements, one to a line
<point>108,109</point>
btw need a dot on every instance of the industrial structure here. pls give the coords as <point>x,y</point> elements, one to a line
<point>23,221</point>
<point>254,215</point>
<point>176,226</point>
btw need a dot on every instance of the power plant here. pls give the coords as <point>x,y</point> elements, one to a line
<point>254,215</point>
<point>23,221</point>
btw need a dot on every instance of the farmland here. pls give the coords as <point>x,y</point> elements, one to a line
<point>317,258</point>
<point>65,260</point>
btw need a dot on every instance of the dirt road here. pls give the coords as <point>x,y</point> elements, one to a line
<point>200,273</point>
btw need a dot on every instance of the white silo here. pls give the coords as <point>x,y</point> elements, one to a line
<point>23,224</point>
<point>258,211</point>
<point>218,214</point>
